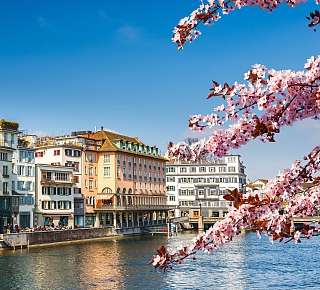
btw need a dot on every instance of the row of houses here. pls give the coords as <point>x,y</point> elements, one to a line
<point>88,178</point>
<point>103,178</point>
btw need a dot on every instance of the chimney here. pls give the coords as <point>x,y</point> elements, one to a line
<point>101,128</point>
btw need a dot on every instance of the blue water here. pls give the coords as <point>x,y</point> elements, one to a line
<point>246,263</point>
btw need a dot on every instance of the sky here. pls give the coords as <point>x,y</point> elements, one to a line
<point>76,65</point>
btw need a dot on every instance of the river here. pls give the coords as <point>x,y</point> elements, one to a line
<point>245,263</point>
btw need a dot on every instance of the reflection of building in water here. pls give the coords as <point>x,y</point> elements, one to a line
<point>100,266</point>
<point>91,266</point>
<point>223,269</point>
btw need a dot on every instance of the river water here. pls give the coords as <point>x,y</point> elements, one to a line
<point>246,263</point>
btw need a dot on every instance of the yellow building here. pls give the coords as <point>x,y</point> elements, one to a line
<point>131,188</point>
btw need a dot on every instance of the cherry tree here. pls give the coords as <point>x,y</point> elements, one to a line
<point>259,107</point>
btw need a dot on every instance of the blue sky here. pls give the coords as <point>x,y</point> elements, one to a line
<point>73,65</point>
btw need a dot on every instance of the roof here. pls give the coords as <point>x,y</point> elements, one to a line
<point>109,139</point>
<point>111,136</point>
<point>8,125</point>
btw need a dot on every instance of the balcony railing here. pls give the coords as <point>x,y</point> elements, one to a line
<point>53,180</point>
<point>6,144</point>
<point>132,207</point>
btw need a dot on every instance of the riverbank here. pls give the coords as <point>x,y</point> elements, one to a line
<point>69,236</point>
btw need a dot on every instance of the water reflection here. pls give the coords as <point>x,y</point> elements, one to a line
<point>222,270</point>
<point>246,263</point>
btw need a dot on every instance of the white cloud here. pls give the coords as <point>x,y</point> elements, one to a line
<point>129,33</point>
<point>42,21</point>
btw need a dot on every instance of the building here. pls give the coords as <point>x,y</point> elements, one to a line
<point>55,190</point>
<point>195,189</point>
<point>258,184</point>
<point>130,178</point>
<point>9,202</point>
<point>23,182</point>
<point>61,155</point>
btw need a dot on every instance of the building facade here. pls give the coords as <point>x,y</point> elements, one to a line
<point>130,181</point>
<point>55,190</point>
<point>195,189</point>
<point>64,153</point>
<point>9,202</point>
<point>23,183</point>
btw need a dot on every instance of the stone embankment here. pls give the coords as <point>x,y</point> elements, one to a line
<point>30,239</point>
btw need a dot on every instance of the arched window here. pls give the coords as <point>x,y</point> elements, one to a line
<point>118,190</point>
<point>124,191</point>
<point>107,190</point>
<point>130,191</point>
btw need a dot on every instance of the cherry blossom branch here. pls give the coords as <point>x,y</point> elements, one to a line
<point>271,214</point>
<point>268,100</point>
<point>209,13</point>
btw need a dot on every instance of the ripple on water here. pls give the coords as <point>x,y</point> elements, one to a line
<point>245,263</point>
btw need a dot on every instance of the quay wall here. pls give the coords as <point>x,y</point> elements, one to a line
<point>64,236</point>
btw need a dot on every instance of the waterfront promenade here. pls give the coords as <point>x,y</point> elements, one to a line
<point>245,263</point>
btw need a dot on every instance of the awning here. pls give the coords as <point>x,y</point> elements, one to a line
<point>105,196</point>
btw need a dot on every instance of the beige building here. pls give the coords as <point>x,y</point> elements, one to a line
<point>258,184</point>
<point>130,181</point>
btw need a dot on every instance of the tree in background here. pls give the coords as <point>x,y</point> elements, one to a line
<point>258,108</point>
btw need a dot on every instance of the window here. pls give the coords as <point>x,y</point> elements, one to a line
<point>172,198</point>
<point>222,169</point>
<point>5,171</point>
<point>5,188</point>
<point>201,191</point>
<point>62,176</point>
<point>193,169</point>
<point>56,152</point>
<point>212,169</point>
<point>171,169</point>
<point>231,169</point>
<point>106,158</point>
<point>20,170</point>
<point>106,171</point>
<point>90,184</point>
<point>231,159</point>
<point>171,188</point>
<point>171,179</point>
<point>202,169</point>
<point>3,156</point>
<point>39,154</point>
<point>29,171</point>
<point>183,169</point>
<point>68,152</point>
<point>76,153</point>
<point>90,171</point>
<point>90,157</point>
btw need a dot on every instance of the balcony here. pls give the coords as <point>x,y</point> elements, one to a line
<point>125,202</point>
<point>7,144</point>
<point>49,181</point>
<point>111,207</point>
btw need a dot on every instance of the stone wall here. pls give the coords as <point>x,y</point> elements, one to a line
<point>47,237</point>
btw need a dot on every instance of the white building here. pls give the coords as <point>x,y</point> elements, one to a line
<point>198,188</point>
<point>9,203</point>
<point>259,184</point>
<point>23,182</point>
<point>66,153</point>
<point>55,189</point>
